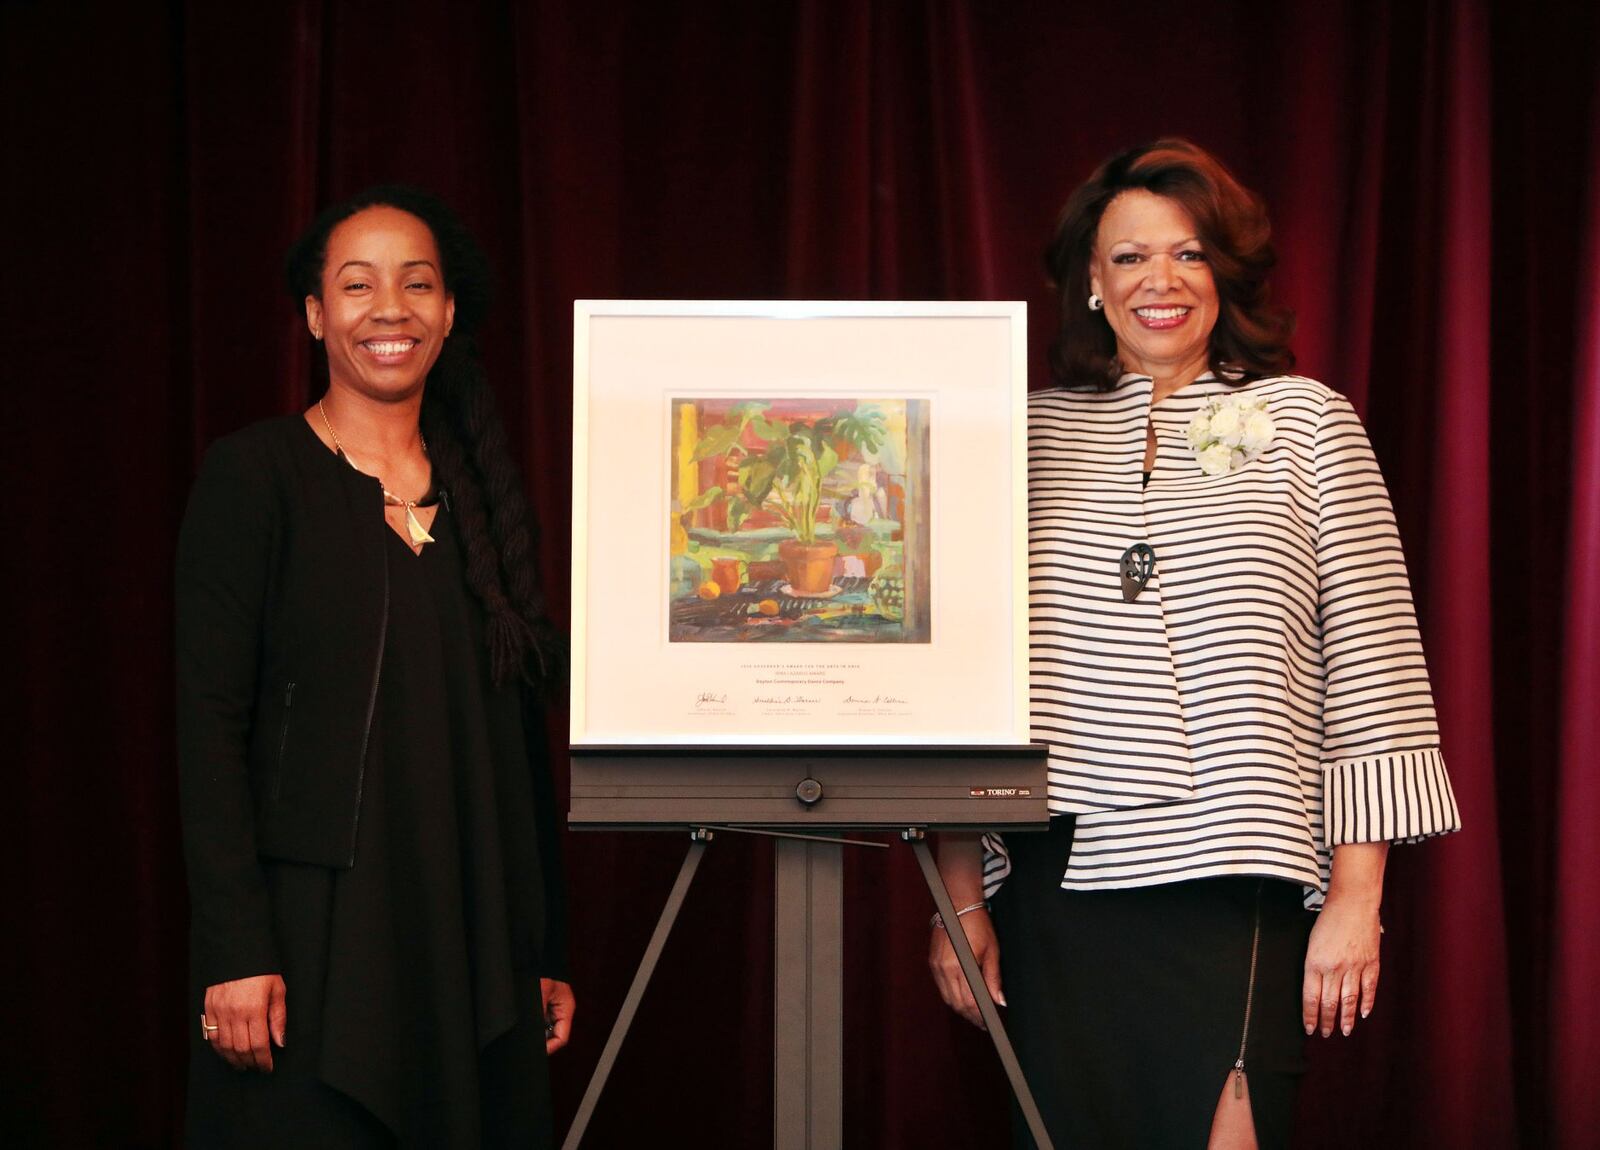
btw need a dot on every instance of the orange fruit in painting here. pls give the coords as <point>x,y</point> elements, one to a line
<point>768,606</point>
<point>709,590</point>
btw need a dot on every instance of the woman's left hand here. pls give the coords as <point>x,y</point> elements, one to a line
<point>1341,965</point>
<point>559,1004</point>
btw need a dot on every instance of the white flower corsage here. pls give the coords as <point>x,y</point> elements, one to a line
<point>1229,432</point>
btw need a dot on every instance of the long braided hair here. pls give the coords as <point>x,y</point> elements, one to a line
<point>466,439</point>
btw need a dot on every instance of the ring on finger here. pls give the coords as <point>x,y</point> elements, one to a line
<point>208,1030</point>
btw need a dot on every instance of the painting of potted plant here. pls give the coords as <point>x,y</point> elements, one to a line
<point>799,519</point>
<point>784,471</point>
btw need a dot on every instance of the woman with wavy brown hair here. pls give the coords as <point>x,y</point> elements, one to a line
<point>369,824</point>
<point>1226,667</point>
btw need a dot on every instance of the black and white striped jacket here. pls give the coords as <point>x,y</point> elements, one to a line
<point>1264,699</point>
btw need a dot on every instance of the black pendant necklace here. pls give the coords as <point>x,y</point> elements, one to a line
<point>1138,563</point>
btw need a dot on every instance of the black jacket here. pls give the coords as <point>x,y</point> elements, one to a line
<point>282,608</point>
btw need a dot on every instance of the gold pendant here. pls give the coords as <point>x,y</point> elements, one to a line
<point>419,533</point>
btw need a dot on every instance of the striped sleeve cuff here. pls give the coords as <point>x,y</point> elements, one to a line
<point>996,864</point>
<point>1401,797</point>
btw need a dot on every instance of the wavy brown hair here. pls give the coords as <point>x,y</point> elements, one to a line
<point>466,439</point>
<point>1251,336</point>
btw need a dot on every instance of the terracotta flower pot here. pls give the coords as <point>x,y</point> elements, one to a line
<point>808,565</point>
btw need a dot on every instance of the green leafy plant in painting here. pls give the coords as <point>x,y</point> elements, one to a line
<point>787,476</point>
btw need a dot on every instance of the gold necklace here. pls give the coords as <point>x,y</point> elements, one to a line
<point>419,533</point>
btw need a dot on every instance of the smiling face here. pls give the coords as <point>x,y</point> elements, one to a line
<point>383,313</point>
<point>1160,298</point>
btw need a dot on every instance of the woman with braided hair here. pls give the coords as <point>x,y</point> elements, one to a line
<point>369,823</point>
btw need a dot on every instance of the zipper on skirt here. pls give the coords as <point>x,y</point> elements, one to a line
<point>1249,997</point>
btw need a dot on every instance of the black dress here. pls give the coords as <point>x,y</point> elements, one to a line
<point>412,988</point>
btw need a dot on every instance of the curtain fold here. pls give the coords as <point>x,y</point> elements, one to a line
<point>1457,897</point>
<point>1574,1015</point>
<point>1433,170</point>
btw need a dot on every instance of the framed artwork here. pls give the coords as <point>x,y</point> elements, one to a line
<point>799,523</point>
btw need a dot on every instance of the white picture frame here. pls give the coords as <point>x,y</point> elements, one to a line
<point>688,625</point>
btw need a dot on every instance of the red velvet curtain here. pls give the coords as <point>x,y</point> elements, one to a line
<point>1574,946</point>
<point>1434,173</point>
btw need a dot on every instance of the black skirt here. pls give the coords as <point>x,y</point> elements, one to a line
<point>1128,1007</point>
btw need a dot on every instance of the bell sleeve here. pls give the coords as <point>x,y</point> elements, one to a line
<point>1383,777</point>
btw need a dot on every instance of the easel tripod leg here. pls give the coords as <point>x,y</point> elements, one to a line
<point>980,991</point>
<point>641,979</point>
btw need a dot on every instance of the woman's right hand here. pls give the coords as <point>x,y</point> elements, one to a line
<point>948,975</point>
<point>250,1014</point>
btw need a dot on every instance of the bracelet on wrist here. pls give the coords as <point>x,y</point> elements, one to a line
<point>937,921</point>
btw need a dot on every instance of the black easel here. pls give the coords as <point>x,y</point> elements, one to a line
<point>808,885</point>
